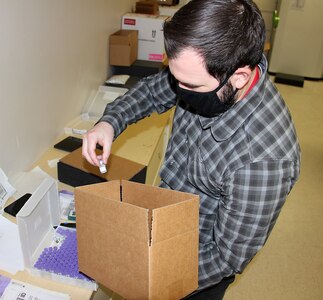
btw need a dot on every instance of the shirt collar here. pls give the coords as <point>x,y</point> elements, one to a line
<point>226,124</point>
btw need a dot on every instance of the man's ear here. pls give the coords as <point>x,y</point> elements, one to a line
<point>241,77</point>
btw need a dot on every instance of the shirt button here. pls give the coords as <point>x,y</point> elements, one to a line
<point>171,163</point>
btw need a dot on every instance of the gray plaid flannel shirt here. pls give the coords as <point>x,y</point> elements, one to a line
<point>242,164</point>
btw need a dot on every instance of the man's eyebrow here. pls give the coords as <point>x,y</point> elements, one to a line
<point>189,85</point>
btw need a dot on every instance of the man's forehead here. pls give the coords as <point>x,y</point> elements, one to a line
<point>189,69</point>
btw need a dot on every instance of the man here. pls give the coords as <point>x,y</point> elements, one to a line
<point>233,141</point>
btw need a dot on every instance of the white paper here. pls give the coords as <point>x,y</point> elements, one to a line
<point>17,290</point>
<point>11,259</point>
<point>6,189</point>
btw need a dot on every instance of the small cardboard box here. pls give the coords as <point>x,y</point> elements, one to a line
<point>138,240</point>
<point>74,170</point>
<point>147,7</point>
<point>150,34</point>
<point>123,47</point>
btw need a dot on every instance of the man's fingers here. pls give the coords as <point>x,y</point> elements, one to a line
<point>88,150</point>
<point>101,134</point>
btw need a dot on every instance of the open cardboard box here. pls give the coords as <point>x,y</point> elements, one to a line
<point>74,170</point>
<point>139,241</point>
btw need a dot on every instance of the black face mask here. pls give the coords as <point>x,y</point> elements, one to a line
<point>206,104</point>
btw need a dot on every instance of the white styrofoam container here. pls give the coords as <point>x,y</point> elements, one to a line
<point>150,34</point>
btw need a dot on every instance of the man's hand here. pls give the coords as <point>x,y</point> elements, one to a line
<point>102,134</point>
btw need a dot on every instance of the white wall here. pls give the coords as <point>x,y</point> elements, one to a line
<point>52,54</point>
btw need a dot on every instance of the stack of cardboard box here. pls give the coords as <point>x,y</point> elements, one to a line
<point>150,39</point>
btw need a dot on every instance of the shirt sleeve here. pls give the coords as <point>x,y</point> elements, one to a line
<point>251,201</point>
<point>153,93</point>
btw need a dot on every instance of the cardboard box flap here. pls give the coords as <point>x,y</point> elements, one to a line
<point>176,275</point>
<point>112,239</point>
<point>151,197</point>
<point>173,220</point>
<point>117,167</point>
<point>110,191</point>
<point>124,37</point>
<point>107,210</point>
<point>36,219</point>
<point>170,212</point>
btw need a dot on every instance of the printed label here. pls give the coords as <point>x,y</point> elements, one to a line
<point>157,57</point>
<point>129,21</point>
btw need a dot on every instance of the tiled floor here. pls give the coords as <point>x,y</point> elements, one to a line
<point>290,266</point>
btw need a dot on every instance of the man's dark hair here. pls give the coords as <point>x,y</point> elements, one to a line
<point>228,34</point>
